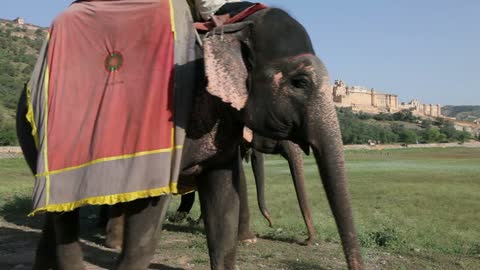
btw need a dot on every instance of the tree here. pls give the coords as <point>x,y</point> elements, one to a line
<point>463,136</point>
<point>431,135</point>
<point>426,123</point>
<point>409,136</point>
<point>7,132</point>
<point>405,116</point>
<point>448,129</point>
<point>383,117</point>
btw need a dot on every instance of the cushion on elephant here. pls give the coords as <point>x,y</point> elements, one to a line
<point>102,103</point>
<point>228,16</point>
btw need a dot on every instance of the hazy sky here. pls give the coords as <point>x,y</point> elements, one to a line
<point>426,49</point>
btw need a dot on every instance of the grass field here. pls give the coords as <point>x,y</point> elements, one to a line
<point>414,209</point>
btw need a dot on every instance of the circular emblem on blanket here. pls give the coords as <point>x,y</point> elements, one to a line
<point>114,61</point>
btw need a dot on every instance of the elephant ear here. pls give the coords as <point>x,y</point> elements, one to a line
<point>224,64</point>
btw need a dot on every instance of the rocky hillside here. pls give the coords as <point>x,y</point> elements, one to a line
<point>464,113</point>
<point>19,46</point>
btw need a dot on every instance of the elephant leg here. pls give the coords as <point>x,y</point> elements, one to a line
<point>184,208</point>
<point>293,154</point>
<point>103,216</point>
<point>143,223</point>
<point>69,252</point>
<point>45,256</point>
<point>244,233</point>
<point>220,204</point>
<point>115,227</point>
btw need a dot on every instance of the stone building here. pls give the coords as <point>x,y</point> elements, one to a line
<point>370,101</point>
<point>19,21</point>
<point>433,110</point>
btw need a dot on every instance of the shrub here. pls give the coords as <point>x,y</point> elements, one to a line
<point>431,135</point>
<point>7,134</point>
<point>382,237</point>
<point>404,115</point>
<point>462,136</point>
<point>408,136</point>
<point>448,128</point>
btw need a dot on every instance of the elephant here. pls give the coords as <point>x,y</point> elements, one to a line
<point>274,84</point>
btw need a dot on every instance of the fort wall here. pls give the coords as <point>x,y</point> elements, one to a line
<point>370,101</point>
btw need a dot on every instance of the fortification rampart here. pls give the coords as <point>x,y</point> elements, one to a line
<point>370,101</point>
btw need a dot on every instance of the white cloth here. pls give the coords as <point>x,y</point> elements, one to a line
<point>206,8</point>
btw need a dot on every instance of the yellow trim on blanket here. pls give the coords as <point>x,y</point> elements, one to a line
<point>31,116</point>
<point>101,160</point>
<point>110,199</point>
<point>45,136</point>
<point>172,19</point>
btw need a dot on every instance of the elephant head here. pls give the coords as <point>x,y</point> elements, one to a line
<point>267,69</point>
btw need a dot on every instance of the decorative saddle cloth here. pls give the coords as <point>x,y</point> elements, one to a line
<point>108,102</point>
<point>226,17</point>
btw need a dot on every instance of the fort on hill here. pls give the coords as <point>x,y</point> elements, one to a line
<point>21,28</point>
<point>370,101</point>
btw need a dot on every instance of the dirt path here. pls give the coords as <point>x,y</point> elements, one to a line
<point>15,151</point>
<point>183,248</point>
<point>10,152</point>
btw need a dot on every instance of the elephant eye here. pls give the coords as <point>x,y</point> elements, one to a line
<point>300,82</point>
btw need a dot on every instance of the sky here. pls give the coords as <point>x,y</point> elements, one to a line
<point>424,49</point>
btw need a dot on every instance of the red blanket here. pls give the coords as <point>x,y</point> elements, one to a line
<point>101,102</point>
<point>110,84</point>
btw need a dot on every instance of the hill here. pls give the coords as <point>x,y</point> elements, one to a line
<point>464,113</point>
<point>19,47</point>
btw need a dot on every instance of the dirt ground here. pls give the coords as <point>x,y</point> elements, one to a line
<point>183,248</point>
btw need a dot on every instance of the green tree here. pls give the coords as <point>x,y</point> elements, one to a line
<point>448,128</point>
<point>405,116</point>
<point>426,123</point>
<point>409,136</point>
<point>431,135</point>
<point>7,132</point>
<point>463,136</point>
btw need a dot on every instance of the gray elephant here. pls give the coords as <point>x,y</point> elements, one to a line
<point>272,83</point>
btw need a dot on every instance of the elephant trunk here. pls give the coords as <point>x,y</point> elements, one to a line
<point>323,133</point>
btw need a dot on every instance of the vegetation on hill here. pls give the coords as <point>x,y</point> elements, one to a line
<point>18,52</point>
<point>399,127</point>
<point>465,113</point>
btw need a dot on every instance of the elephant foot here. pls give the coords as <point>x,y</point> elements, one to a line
<point>307,242</point>
<point>249,241</point>
<point>247,238</point>
<point>114,243</point>
<point>114,232</point>
<point>179,216</point>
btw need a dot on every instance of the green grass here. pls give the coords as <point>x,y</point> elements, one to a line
<point>15,178</point>
<point>403,199</point>
<point>419,206</point>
